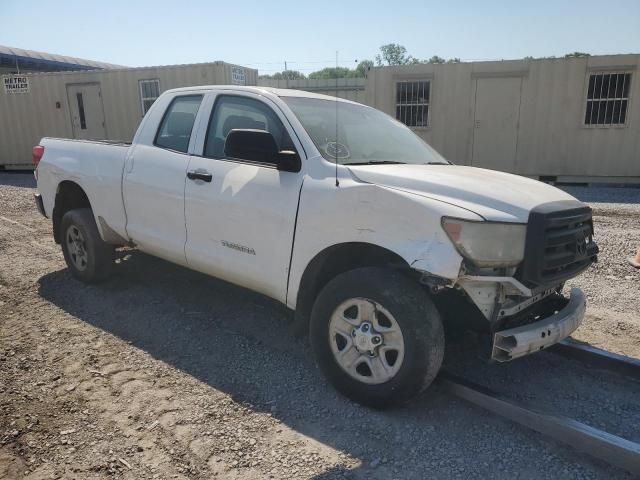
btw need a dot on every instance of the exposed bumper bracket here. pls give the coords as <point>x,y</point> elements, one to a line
<point>520,341</point>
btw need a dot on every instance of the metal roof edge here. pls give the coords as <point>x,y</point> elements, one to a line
<point>127,69</point>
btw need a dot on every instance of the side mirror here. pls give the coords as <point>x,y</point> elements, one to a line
<point>260,146</point>
<point>288,161</point>
<point>252,145</point>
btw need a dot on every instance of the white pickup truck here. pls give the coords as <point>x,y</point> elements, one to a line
<point>340,212</point>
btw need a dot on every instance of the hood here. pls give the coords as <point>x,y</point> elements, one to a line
<point>495,196</point>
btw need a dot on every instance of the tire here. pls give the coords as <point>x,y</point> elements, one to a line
<point>393,301</point>
<point>88,257</point>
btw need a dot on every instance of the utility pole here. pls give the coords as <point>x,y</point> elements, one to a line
<point>286,74</point>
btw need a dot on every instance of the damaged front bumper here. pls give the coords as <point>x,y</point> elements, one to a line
<point>523,340</point>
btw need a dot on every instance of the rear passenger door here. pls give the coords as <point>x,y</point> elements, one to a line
<point>154,181</point>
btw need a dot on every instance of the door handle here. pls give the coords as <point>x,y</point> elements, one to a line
<point>199,175</point>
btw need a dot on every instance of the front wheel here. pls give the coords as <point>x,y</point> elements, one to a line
<point>88,257</point>
<point>377,336</point>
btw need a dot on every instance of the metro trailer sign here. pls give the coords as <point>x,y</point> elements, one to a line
<point>237,76</point>
<point>15,84</point>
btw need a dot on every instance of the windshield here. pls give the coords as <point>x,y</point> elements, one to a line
<point>365,135</point>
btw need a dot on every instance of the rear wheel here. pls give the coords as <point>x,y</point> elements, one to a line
<point>88,257</point>
<point>377,336</point>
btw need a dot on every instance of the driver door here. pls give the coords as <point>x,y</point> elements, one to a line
<point>241,220</point>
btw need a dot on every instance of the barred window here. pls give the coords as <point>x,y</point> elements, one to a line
<point>149,92</point>
<point>412,102</point>
<point>607,99</point>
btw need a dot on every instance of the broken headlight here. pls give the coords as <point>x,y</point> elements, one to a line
<point>487,244</point>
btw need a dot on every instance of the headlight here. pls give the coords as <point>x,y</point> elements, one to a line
<point>487,244</point>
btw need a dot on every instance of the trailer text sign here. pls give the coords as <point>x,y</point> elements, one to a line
<point>237,76</point>
<point>15,84</point>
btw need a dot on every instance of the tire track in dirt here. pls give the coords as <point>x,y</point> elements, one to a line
<point>145,416</point>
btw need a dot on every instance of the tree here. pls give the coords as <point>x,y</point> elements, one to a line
<point>436,59</point>
<point>285,75</point>
<point>363,67</point>
<point>343,72</point>
<point>577,55</point>
<point>393,54</point>
<point>332,72</point>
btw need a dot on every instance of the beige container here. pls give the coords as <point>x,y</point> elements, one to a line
<point>97,105</point>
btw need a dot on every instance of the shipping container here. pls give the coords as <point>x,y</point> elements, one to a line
<point>94,105</point>
<point>564,119</point>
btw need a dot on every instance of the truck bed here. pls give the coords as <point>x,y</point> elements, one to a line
<point>95,166</point>
<point>101,142</point>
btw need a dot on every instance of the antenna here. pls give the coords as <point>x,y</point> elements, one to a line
<point>336,140</point>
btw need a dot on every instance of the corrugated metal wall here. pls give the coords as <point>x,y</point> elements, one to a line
<point>27,117</point>
<point>551,137</point>
<point>347,88</point>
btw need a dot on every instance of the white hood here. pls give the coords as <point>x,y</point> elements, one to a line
<point>494,195</point>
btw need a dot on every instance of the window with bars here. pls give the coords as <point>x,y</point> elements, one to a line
<point>149,92</point>
<point>607,99</point>
<point>412,102</point>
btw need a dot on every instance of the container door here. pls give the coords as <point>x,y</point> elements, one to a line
<point>497,111</point>
<point>87,113</point>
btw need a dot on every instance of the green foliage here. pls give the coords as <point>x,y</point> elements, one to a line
<point>436,59</point>
<point>332,72</point>
<point>577,55</point>
<point>363,67</point>
<point>285,74</point>
<point>393,54</point>
<point>329,72</point>
<point>390,54</point>
<point>343,72</point>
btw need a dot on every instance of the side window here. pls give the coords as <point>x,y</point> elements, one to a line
<point>175,129</point>
<point>239,113</point>
<point>412,102</point>
<point>607,99</point>
<point>149,92</point>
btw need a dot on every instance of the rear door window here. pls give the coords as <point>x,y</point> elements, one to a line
<point>175,129</point>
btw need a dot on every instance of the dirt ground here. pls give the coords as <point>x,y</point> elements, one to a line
<point>165,373</point>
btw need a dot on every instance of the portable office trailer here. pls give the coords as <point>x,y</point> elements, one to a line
<point>95,105</point>
<point>570,119</point>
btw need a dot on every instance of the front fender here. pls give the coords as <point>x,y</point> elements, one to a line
<point>406,224</point>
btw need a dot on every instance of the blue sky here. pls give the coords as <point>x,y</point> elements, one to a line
<point>263,34</point>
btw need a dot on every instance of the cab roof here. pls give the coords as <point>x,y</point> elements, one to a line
<point>279,92</point>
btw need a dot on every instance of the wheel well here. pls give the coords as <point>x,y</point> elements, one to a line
<point>69,196</point>
<point>333,261</point>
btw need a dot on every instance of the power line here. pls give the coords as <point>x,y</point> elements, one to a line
<point>306,62</point>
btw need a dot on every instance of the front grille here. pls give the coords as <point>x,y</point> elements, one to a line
<point>559,243</point>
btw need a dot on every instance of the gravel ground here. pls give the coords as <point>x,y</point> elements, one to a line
<point>612,285</point>
<point>165,373</point>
